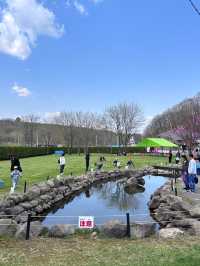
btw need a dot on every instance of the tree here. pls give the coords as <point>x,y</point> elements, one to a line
<point>30,129</point>
<point>124,119</point>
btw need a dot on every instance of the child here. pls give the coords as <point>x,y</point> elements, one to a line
<point>62,163</point>
<point>15,175</point>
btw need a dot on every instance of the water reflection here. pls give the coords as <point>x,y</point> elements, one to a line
<point>106,202</point>
<point>115,195</point>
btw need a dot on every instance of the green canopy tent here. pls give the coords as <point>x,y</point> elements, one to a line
<point>155,143</point>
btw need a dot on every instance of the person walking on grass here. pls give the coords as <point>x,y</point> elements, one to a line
<point>62,163</point>
<point>192,173</point>
<point>15,162</point>
<point>15,176</point>
<point>87,161</point>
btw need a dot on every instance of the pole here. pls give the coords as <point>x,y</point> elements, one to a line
<point>128,229</point>
<point>28,227</point>
<point>172,184</point>
<point>25,186</point>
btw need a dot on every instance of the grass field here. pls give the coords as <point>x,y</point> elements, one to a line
<point>81,251</point>
<point>37,169</point>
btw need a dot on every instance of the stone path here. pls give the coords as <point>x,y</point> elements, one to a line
<point>193,198</point>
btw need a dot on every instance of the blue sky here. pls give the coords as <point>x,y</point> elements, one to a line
<point>87,54</point>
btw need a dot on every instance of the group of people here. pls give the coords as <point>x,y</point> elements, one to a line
<point>190,167</point>
<point>190,172</point>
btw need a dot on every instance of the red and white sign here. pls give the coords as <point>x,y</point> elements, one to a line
<point>86,222</point>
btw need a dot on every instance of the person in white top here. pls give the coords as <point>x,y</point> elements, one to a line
<point>62,163</point>
<point>192,172</point>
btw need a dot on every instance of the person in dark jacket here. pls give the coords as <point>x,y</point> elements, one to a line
<point>15,162</point>
<point>170,157</point>
<point>87,161</point>
<point>185,176</point>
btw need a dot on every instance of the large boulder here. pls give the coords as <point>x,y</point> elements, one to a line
<point>139,231</point>
<point>8,227</point>
<point>170,233</point>
<point>36,230</point>
<point>61,230</point>
<point>192,226</point>
<point>154,203</point>
<point>195,212</point>
<point>114,229</point>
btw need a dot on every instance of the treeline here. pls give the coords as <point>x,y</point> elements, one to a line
<point>183,120</point>
<point>116,126</point>
<point>24,152</point>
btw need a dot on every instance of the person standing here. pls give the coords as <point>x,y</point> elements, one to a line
<point>87,161</point>
<point>15,175</point>
<point>62,163</point>
<point>15,162</point>
<point>178,157</point>
<point>185,166</point>
<point>170,157</point>
<point>192,172</point>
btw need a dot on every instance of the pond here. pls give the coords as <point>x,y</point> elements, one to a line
<point>107,201</point>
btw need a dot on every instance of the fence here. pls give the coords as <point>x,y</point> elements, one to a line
<point>126,220</point>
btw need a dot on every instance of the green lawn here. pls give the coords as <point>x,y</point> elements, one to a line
<point>37,169</point>
<point>80,251</point>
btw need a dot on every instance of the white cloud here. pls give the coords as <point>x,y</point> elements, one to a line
<point>22,22</point>
<point>80,7</point>
<point>21,91</point>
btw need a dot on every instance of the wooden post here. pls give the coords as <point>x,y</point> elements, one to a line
<point>25,186</point>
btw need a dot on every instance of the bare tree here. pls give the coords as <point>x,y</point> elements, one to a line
<point>30,129</point>
<point>124,119</point>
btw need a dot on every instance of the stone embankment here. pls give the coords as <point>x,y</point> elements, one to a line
<point>42,197</point>
<point>176,215</point>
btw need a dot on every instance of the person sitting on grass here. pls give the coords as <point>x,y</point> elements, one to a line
<point>15,176</point>
<point>116,164</point>
<point>102,159</point>
<point>98,166</point>
<point>130,165</point>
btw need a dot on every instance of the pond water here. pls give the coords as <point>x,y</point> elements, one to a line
<point>107,201</point>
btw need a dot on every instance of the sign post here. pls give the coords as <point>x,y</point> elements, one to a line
<point>86,222</point>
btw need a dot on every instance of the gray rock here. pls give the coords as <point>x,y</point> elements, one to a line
<point>139,231</point>
<point>33,193</point>
<point>15,197</point>
<point>192,226</point>
<point>34,203</point>
<point>16,210</point>
<point>50,183</point>
<point>35,230</point>
<point>61,231</point>
<point>170,233</point>
<point>26,205</point>
<point>8,227</point>
<point>114,229</point>
<point>154,203</point>
<point>195,212</point>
